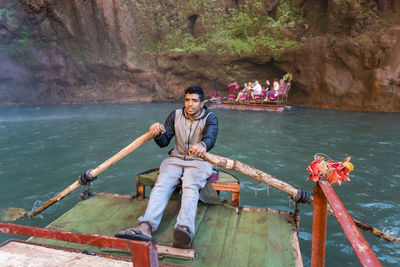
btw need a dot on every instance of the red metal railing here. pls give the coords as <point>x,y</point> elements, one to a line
<point>324,193</point>
<point>143,253</point>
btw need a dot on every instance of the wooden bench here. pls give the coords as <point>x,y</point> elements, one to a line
<point>225,182</point>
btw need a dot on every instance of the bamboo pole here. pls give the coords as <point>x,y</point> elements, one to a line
<point>55,199</point>
<point>292,191</point>
<point>252,172</point>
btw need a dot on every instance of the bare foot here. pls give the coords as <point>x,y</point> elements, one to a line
<point>145,228</point>
<point>141,232</point>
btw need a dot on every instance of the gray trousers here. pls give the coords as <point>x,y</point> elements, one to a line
<point>194,174</point>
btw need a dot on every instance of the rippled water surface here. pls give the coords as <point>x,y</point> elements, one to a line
<point>43,149</point>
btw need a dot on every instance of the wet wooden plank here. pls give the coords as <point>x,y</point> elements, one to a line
<point>23,254</point>
<point>249,239</point>
<point>259,247</point>
<point>176,252</point>
<point>275,244</point>
<point>231,224</point>
<point>214,234</point>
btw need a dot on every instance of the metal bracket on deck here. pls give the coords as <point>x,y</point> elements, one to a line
<point>87,193</point>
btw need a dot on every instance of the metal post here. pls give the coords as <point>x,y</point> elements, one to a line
<point>318,228</point>
<point>363,251</point>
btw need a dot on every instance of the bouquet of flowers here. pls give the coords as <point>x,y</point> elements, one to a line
<point>333,171</point>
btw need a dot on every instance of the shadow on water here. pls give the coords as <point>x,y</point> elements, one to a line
<point>44,149</point>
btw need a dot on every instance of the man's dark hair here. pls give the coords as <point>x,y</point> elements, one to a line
<point>194,89</point>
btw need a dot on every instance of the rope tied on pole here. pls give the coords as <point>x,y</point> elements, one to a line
<point>86,177</point>
<point>303,197</point>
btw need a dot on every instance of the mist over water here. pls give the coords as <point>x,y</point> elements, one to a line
<point>43,149</point>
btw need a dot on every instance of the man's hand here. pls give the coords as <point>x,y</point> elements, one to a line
<point>157,129</point>
<point>197,150</point>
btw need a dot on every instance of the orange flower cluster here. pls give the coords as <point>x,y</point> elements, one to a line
<point>333,171</point>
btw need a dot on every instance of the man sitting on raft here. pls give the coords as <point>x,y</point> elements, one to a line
<point>196,131</point>
<point>243,92</point>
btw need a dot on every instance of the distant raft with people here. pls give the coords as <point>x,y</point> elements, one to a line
<point>253,97</point>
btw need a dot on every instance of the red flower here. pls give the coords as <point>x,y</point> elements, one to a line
<point>316,169</point>
<point>333,171</point>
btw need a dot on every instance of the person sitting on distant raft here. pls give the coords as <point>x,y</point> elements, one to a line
<point>268,85</point>
<point>195,130</point>
<point>282,87</point>
<point>268,88</point>
<point>241,93</point>
<point>273,93</point>
<point>257,90</point>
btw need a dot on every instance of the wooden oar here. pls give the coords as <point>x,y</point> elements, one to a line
<point>292,191</point>
<point>13,214</point>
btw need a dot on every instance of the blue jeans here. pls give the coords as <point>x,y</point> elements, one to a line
<point>194,174</point>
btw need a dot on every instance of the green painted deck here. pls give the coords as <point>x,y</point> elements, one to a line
<point>253,237</point>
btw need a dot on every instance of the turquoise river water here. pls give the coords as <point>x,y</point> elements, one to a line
<point>43,149</point>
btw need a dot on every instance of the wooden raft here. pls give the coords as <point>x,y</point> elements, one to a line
<point>250,106</point>
<point>253,237</point>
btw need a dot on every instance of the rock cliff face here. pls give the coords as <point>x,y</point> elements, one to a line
<point>342,54</point>
<point>358,73</point>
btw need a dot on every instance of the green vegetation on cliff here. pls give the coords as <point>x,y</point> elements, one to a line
<point>21,37</point>
<point>248,29</point>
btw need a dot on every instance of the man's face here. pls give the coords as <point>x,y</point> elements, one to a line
<point>193,105</point>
